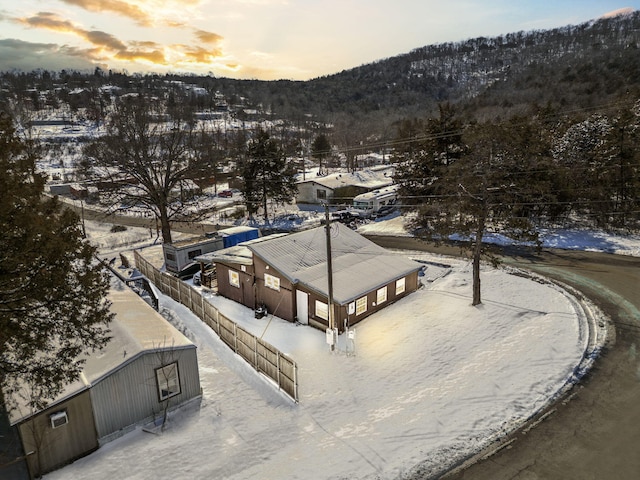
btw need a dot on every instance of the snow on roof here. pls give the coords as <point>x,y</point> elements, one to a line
<point>240,253</point>
<point>234,230</point>
<point>363,178</point>
<point>135,330</point>
<point>358,265</point>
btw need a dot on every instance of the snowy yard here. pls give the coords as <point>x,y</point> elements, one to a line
<point>432,380</point>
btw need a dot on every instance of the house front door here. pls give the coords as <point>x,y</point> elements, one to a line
<point>302,307</point>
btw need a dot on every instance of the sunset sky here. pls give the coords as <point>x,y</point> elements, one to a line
<point>261,39</point>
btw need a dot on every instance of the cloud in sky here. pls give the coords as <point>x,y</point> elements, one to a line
<point>266,39</point>
<point>126,9</point>
<point>105,47</point>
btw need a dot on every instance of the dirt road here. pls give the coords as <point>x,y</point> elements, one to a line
<point>594,432</point>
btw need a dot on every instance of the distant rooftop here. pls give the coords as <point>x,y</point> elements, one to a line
<point>370,178</point>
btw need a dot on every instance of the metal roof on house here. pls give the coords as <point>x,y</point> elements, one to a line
<point>359,265</point>
<point>136,329</point>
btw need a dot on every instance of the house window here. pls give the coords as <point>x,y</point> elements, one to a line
<point>322,310</point>
<point>321,194</point>
<point>399,286</point>
<point>171,256</point>
<point>58,419</point>
<point>361,305</point>
<point>271,282</point>
<point>381,295</point>
<point>168,381</point>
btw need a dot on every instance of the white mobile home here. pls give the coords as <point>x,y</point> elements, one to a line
<point>370,203</point>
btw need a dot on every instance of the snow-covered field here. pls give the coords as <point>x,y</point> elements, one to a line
<point>428,381</point>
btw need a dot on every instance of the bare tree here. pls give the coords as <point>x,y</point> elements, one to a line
<point>147,158</point>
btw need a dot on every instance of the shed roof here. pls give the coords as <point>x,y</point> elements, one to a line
<point>135,330</point>
<point>359,265</point>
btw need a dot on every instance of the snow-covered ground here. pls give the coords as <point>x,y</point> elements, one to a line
<point>428,381</point>
<point>432,379</point>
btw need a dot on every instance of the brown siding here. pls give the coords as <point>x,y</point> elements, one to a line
<point>54,447</point>
<point>245,294</point>
<point>280,303</point>
<point>341,311</point>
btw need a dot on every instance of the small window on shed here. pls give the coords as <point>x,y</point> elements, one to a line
<point>168,381</point>
<point>171,256</point>
<point>381,295</point>
<point>361,305</point>
<point>321,194</point>
<point>400,285</point>
<point>271,282</point>
<point>234,278</point>
<point>59,419</point>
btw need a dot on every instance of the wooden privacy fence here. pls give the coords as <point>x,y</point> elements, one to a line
<point>262,356</point>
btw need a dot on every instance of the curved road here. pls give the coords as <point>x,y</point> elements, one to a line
<point>594,432</point>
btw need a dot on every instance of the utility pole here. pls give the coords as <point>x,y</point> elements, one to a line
<point>331,331</point>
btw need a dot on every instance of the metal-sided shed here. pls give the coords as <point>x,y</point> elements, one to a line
<point>146,369</point>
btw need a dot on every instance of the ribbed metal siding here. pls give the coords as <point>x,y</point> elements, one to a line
<point>130,394</point>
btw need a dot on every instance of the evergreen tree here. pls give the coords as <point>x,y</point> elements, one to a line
<point>267,174</point>
<point>488,189</point>
<point>587,155</point>
<point>52,290</point>
<point>424,152</point>
<point>321,149</point>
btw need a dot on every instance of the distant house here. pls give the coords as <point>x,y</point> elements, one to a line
<point>342,187</point>
<point>146,367</point>
<point>288,274</point>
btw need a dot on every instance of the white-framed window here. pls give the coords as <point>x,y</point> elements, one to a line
<point>168,381</point>
<point>59,419</point>
<point>381,295</point>
<point>361,305</point>
<point>271,282</point>
<point>234,278</point>
<point>322,310</point>
<point>400,286</point>
<point>321,194</point>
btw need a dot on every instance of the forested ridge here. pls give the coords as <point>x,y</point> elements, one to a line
<point>573,66</point>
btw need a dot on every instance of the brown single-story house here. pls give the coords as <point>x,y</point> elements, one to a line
<point>288,274</point>
<point>147,366</point>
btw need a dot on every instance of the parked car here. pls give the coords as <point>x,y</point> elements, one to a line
<point>225,194</point>
<point>197,278</point>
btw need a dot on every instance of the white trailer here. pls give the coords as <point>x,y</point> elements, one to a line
<point>377,201</point>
